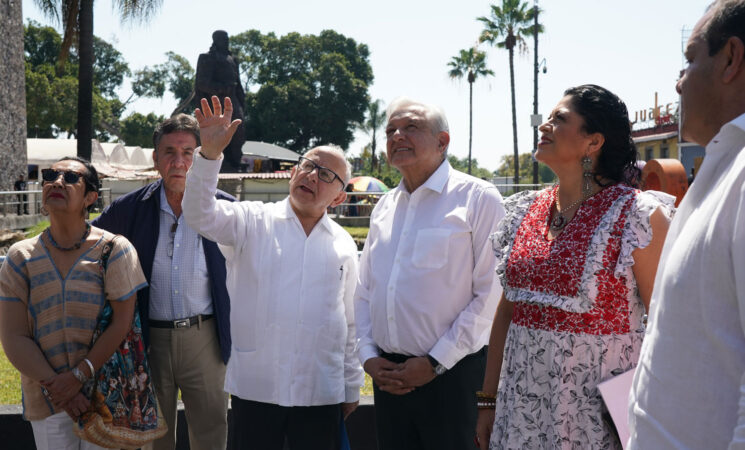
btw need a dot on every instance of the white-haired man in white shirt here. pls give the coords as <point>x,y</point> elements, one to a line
<point>427,291</point>
<point>291,274</point>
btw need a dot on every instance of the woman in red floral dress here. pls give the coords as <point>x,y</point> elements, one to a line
<point>577,263</point>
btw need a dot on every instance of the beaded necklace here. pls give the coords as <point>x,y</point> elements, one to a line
<point>73,247</point>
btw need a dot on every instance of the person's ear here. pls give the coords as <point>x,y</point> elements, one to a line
<point>339,199</point>
<point>90,198</point>
<point>443,139</point>
<point>596,143</point>
<point>734,51</point>
<point>155,157</point>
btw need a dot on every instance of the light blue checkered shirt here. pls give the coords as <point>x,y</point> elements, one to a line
<point>179,284</point>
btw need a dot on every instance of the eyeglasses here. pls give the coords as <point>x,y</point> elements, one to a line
<point>51,175</point>
<point>169,250</point>
<point>324,173</point>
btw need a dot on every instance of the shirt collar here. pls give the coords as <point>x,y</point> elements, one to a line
<point>435,182</point>
<point>731,128</point>
<point>151,190</point>
<point>285,211</point>
<point>164,205</point>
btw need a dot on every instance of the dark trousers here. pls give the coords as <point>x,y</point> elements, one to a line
<point>264,426</point>
<point>439,415</point>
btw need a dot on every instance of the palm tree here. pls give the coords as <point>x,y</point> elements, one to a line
<point>471,63</point>
<point>373,122</point>
<point>77,21</point>
<point>507,28</point>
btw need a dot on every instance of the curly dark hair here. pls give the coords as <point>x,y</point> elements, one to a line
<point>90,177</point>
<point>603,112</point>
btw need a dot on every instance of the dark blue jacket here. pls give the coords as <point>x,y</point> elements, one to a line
<point>136,216</point>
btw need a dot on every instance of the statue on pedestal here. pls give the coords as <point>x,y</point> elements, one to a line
<point>217,74</point>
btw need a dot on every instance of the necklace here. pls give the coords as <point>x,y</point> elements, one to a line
<point>73,247</point>
<point>560,221</point>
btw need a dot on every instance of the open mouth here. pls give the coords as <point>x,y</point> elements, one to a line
<point>306,189</point>
<point>402,149</point>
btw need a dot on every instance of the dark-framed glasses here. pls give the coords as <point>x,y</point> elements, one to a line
<point>324,173</point>
<point>68,176</point>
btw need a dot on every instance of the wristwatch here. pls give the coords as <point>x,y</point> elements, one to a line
<point>79,375</point>
<point>436,366</point>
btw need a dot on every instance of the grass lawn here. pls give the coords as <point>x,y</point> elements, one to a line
<point>10,382</point>
<point>357,232</point>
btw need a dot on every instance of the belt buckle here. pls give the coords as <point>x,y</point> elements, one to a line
<point>183,323</point>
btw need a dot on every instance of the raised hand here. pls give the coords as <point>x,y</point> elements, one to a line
<point>215,127</point>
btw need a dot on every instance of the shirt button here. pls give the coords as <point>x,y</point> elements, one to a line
<point>175,267</point>
<point>175,291</point>
<point>178,245</point>
<point>390,318</point>
<point>390,288</point>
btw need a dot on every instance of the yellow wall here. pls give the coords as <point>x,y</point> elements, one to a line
<point>656,146</point>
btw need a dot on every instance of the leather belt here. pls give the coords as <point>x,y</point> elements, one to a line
<point>181,323</point>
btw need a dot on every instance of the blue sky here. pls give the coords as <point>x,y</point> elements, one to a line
<point>631,47</point>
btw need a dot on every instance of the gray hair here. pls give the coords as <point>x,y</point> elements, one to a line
<point>434,114</point>
<point>331,148</point>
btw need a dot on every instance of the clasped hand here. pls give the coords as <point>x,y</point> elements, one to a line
<point>64,392</point>
<point>399,378</point>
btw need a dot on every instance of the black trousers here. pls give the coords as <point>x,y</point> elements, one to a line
<point>439,415</point>
<point>264,426</point>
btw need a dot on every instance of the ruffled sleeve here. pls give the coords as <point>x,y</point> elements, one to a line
<point>516,207</point>
<point>637,231</point>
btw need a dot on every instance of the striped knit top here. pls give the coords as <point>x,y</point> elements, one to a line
<point>63,309</point>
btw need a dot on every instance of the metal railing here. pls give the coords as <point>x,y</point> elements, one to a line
<point>357,204</point>
<point>29,202</point>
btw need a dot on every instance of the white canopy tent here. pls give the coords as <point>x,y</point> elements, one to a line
<point>109,159</point>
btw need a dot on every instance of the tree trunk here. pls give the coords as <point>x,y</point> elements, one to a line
<point>514,115</point>
<point>85,80</point>
<point>12,95</point>
<point>470,122</point>
<point>373,160</point>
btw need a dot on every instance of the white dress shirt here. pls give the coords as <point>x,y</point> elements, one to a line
<point>427,282</point>
<point>689,387</point>
<point>291,309</point>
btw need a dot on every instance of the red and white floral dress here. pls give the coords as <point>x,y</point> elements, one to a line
<point>577,316</point>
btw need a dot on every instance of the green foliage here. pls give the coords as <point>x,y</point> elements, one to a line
<point>545,175</point>
<point>308,90</point>
<point>469,63</point>
<point>384,172</point>
<point>176,74</point>
<point>137,129</point>
<point>374,121</point>
<point>51,92</point>
<point>461,164</point>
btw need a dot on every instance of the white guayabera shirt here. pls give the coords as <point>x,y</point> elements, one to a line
<point>291,310</point>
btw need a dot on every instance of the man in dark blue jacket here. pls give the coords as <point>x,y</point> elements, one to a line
<point>185,311</point>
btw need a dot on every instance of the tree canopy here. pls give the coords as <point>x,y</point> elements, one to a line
<point>51,92</point>
<point>303,90</point>
<point>505,169</point>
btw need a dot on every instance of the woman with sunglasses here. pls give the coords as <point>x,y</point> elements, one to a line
<point>577,262</point>
<point>53,288</point>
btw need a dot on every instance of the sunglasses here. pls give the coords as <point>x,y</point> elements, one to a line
<point>324,173</point>
<point>52,175</point>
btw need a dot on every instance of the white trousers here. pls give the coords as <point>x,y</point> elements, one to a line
<point>56,433</point>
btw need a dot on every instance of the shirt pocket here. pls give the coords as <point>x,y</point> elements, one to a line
<point>431,248</point>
